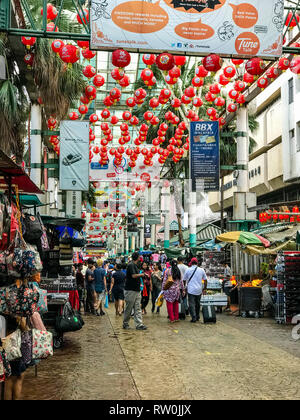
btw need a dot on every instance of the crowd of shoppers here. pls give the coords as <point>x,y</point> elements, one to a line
<point>130,286</point>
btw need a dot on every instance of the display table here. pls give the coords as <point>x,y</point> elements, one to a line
<point>73,297</point>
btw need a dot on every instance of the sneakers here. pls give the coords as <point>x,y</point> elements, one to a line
<point>141,327</point>
<point>126,327</point>
<point>193,320</point>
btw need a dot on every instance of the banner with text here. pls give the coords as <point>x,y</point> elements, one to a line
<point>249,28</point>
<point>205,155</point>
<point>74,156</point>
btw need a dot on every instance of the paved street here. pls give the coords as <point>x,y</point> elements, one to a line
<point>234,359</point>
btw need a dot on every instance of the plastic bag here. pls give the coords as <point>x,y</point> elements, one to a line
<point>160,300</point>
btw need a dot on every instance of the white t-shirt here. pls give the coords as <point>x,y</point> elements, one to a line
<point>182,268</point>
<point>195,285</point>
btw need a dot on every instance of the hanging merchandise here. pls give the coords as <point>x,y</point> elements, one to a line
<point>12,345</point>
<point>69,320</point>
<point>33,229</point>
<point>42,344</point>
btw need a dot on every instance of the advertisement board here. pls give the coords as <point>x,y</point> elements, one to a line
<point>74,156</point>
<point>225,27</point>
<point>205,155</point>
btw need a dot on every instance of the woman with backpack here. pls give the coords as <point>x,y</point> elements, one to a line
<point>172,287</point>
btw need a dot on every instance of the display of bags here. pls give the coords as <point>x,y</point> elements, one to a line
<point>12,345</point>
<point>69,320</point>
<point>42,344</point>
<point>3,306</point>
<point>21,301</point>
<point>33,228</point>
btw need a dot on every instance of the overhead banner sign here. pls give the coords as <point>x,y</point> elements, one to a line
<point>123,173</point>
<point>228,27</point>
<point>205,155</point>
<point>74,156</point>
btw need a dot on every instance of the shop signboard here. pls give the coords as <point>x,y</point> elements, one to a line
<point>74,156</point>
<point>249,28</point>
<point>153,219</point>
<point>147,231</point>
<point>205,156</point>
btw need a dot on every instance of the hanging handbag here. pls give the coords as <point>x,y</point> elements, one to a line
<point>12,345</point>
<point>26,346</point>
<point>44,237</point>
<point>21,301</point>
<point>65,238</point>
<point>5,363</point>
<point>3,306</point>
<point>69,321</point>
<point>42,344</point>
<point>36,322</point>
<point>42,306</point>
<point>33,228</point>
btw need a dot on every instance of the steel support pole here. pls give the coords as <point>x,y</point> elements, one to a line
<point>153,236</point>
<point>36,145</point>
<point>166,213</point>
<point>192,217</point>
<point>242,149</point>
<point>142,231</point>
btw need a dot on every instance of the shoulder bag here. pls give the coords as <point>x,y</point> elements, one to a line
<point>169,283</point>
<point>12,345</point>
<point>42,344</point>
<point>191,277</point>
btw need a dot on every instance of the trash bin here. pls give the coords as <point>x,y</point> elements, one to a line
<point>250,301</point>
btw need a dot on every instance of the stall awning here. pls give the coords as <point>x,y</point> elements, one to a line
<point>258,250</point>
<point>11,173</point>
<point>76,224</point>
<point>29,200</point>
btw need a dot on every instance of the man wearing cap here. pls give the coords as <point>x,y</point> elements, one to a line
<point>194,277</point>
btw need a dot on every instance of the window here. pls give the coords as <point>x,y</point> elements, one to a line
<point>291,91</point>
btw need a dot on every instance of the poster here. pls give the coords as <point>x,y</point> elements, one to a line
<point>205,156</point>
<point>228,27</point>
<point>123,173</point>
<point>74,156</point>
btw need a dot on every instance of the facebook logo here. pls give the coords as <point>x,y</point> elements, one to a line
<point>179,45</point>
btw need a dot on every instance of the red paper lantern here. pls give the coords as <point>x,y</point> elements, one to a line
<point>295,65</point>
<point>149,59</point>
<point>237,61</point>
<point>90,91</point>
<point>176,103</point>
<point>175,72</point>
<point>51,123</point>
<point>83,17</point>
<point>146,75</point>
<point>121,58</point>
<point>283,63</point>
<point>248,78</point>
<point>272,73</point>
<point>117,74</point>
<point>215,89</point>
<point>148,116</point>
<point>201,72</point>
<point>197,102</point>
<point>83,109</point>
<point>219,102</point>
<point>211,112</point>
<point>56,45</point>
<point>186,100</point>
<point>134,121</point>
<point>165,61</point>
<point>83,44</point>
<point>28,59</point>
<point>29,41</point>
<point>89,71</point>
<point>51,12</point>
<point>84,99</point>
<point>239,85</point>
<point>180,60</point>
<point>126,115</point>
<point>190,92</point>
<point>291,21</point>
<point>209,97</point>
<point>115,94</point>
<point>262,82</point>
<point>241,99</point>
<point>229,72</point>
<point>124,82</point>
<point>232,107</point>
<point>107,101</point>
<point>223,80</point>
<point>114,120</point>
<point>105,114</point>
<point>73,116</point>
<point>88,54</point>
<point>233,94</point>
<point>69,54</point>
<point>212,63</point>
<point>50,27</point>
<point>98,80</point>
<point>154,103</point>
<point>255,66</point>
<point>93,118</point>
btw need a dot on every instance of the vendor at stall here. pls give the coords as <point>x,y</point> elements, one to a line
<point>228,286</point>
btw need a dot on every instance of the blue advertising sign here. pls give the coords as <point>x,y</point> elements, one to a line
<point>205,155</point>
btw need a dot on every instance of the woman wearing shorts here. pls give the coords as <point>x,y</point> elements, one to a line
<point>117,288</point>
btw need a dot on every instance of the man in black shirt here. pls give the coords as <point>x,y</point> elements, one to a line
<point>133,294</point>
